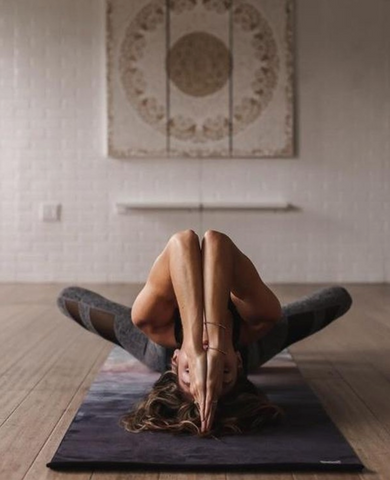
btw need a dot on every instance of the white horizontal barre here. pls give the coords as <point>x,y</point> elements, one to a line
<point>122,207</point>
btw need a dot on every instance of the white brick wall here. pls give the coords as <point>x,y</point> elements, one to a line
<point>52,141</point>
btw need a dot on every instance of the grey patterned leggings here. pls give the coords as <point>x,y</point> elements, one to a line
<point>112,321</point>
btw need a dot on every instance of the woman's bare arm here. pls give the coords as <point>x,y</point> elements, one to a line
<point>259,314</point>
<point>252,333</point>
<point>174,281</point>
<point>153,315</point>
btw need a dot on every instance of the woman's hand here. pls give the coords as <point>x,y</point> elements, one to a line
<point>197,366</point>
<point>214,383</point>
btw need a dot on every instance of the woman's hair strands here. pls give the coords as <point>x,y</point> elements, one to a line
<point>165,408</point>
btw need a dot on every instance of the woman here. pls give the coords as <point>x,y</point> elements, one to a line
<point>205,318</point>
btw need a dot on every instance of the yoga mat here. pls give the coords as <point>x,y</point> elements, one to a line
<point>306,438</point>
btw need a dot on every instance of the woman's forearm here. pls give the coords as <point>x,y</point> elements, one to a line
<point>187,279</point>
<point>218,331</point>
<point>217,281</point>
<point>193,328</point>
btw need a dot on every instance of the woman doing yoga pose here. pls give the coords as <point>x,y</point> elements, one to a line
<point>204,319</point>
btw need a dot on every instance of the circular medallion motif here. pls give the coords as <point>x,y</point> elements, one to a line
<point>199,64</point>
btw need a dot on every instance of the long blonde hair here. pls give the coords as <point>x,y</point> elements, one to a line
<point>165,408</point>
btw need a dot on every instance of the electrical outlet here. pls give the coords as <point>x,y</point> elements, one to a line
<point>50,212</point>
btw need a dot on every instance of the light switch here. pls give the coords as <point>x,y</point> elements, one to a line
<point>50,212</point>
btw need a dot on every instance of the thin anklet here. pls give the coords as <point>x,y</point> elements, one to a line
<point>219,324</point>
<point>218,350</point>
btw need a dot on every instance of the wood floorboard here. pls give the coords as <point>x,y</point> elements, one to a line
<point>29,293</point>
<point>351,415</point>
<point>355,359</point>
<point>356,349</point>
<point>20,324</point>
<point>256,476</point>
<point>29,370</point>
<point>372,388</point>
<point>34,419</point>
<point>188,476</point>
<point>38,469</point>
<point>49,362</point>
<point>8,314</point>
<point>327,476</point>
<point>377,464</point>
<point>43,332</point>
<point>131,476</point>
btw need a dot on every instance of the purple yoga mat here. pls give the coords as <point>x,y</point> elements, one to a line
<point>306,438</point>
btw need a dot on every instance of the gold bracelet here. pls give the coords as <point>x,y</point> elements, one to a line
<point>219,324</point>
<point>218,350</point>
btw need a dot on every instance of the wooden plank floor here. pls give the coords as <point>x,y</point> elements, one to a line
<point>48,364</point>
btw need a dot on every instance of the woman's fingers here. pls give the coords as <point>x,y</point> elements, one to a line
<point>214,377</point>
<point>201,402</point>
<point>209,418</point>
<point>212,395</point>
<point>198,373</point>
<point>205,412</point>
<point>206,376</point>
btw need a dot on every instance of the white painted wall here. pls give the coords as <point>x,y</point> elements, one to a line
<point>52,140</point>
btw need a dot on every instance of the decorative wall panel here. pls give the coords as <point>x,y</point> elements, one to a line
<point>262,78</point>
<point>137,85</point>
<point>203,78</point>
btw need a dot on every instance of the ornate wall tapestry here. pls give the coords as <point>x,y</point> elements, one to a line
<point>204,78</point>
